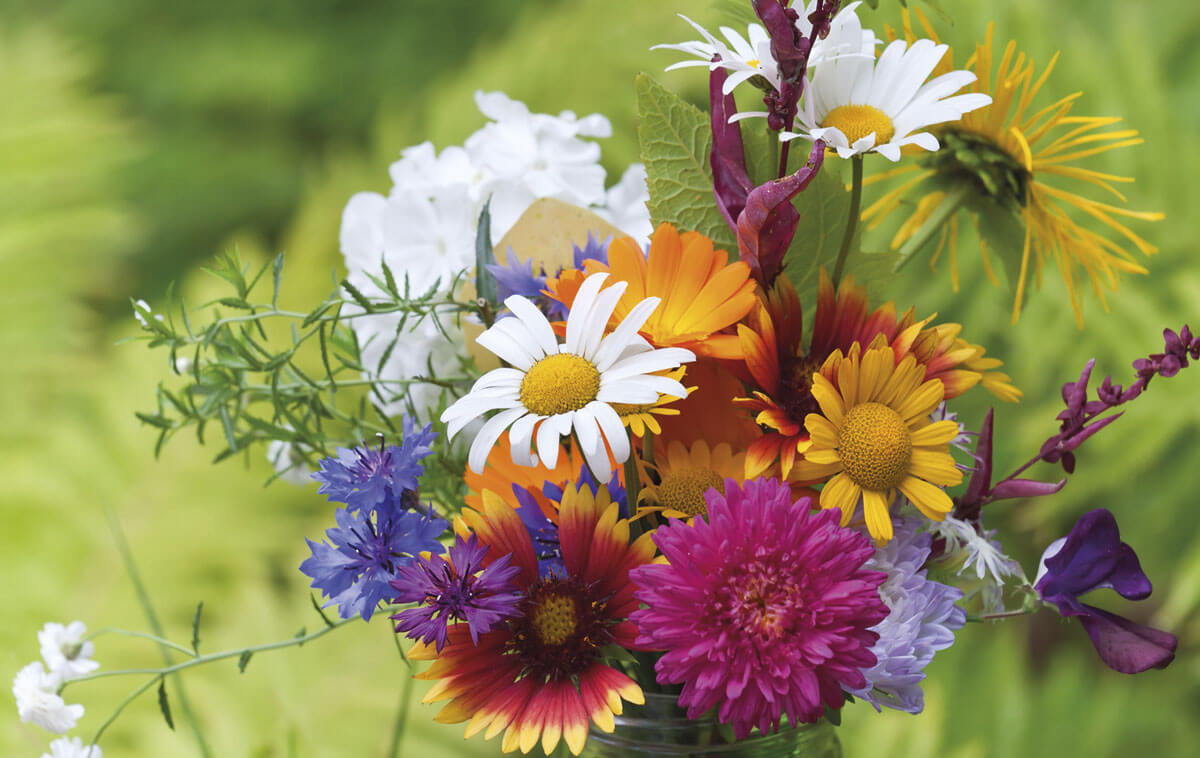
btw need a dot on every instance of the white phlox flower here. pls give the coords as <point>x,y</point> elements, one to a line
<point>552,390</point>
<point>66,653</point>
<point>72,747</point>
<point>38,702</point>
<point>857,105</point>
<point>625,205</point>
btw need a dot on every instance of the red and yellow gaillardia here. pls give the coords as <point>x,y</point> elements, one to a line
<point>542,676</point>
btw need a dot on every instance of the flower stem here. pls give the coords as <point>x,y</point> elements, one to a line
<point>135,577</point>
<point>129,699</point>
<point>945,209</point>
<point>998,616</point>
<point>127,633</point>
<point>852,219</point>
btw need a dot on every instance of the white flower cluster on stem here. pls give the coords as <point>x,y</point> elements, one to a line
<point>425,228</point>
<point>67,655</point>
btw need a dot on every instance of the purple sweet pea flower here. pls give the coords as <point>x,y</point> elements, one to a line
<point>1090,557</point>
<point>455,590</point>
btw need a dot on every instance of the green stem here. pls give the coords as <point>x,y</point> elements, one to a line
<point>143,635</point>
<point>998,616</point>
<point>945,209</point>
<point>401,718</point>
<point>185,704</point>
<point>852,219</point>
<point>128,699</point>
<point>223,655</point>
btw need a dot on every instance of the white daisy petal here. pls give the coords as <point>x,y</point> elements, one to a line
<point>548,442</point>
<point>486,439</point>
<point>500,340</point>
<point>520,439</point>
<point>613,429</point>
<point>577,318</point>
<point>535,322</point>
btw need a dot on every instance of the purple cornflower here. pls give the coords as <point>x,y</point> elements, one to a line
<point>594,249</point>
<point>764,608</point>
<point>463,588</point>
<point>517,278</point>
<point>922,620</point>
<point>367,478</point>
<point>354,572</point>
<point>1090,557</point>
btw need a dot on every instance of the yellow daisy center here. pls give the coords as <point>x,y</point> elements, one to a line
<point>875,446</point>
<point>559,383</point>
<point>752,62</point>
<point>555,619</point>
<point>628,409</point>
<point>683,489</point>
<point>857,121</point>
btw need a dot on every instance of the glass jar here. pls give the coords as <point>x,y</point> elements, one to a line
<point>661,727</point>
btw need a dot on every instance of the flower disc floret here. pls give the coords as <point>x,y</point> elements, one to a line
<point>859,121</point>
<point>684,490</point>
<point>559,383</point>
<point>875,446</point>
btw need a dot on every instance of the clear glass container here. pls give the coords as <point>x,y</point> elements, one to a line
<point>661,727</point>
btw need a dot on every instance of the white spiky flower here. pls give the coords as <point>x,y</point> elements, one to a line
<point>72,747</point>
<point>67,652</point>
<point>38,702</point>
<point>857,105</point>
<point>552,389</point>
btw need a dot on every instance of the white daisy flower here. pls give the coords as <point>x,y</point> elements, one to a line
<point>72,747</point>
<point>553,389</point>
<point>743,58</point>
<point>38,702</point>
<point>67,654</point>
<point>858,105</point>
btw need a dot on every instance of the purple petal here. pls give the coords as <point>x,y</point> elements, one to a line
<point>981,477</point>
<point>731,182</point>
<point>1014,488</point>
<point>1126,646</point>
<point>767,224</point>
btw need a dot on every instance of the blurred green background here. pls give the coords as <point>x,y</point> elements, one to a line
<point>140,138</point>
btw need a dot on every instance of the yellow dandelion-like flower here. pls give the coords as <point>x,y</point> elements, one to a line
<point>874,437</point>
<point>686,473</point>
<point>641,417</point>
<point>1003,157</point>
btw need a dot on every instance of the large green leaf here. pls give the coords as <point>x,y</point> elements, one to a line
<point>675,141</point>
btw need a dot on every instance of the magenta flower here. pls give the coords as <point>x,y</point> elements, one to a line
<point>763,610</point>
<point>1090,557</point>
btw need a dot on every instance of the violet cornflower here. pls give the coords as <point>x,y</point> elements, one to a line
<point>366,551</point>
<point>366,478</point>
<point>1090,557</point>
<point>463,588</point>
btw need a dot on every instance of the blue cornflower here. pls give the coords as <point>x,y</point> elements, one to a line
<point>366,478</point>
<point>1090,557</point>
<point>542,531</point>
<point>460,589</point>
<point>594,249</point>
<point>922,620</point>
<point>517,278</point>
<point>366,553</point>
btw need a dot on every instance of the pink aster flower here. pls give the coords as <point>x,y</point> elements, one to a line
<point>764,609</point>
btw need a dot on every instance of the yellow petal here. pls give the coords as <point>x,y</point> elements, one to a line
<point>938,433</point>
<point>879,521</point>
<point>934,466</point>
<point>930,500</point>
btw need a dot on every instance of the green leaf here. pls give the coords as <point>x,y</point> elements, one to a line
<point>196,628</point>
<point>675,142</point>
<point>276,276</point>
<point>317,607</point>
<point>243,659</point>
<point>163,705</point>
<point>485,283</point>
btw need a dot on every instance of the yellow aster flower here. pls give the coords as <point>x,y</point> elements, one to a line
<point>874,437</point>
<point>1004,156</point>
<point>686,473</point>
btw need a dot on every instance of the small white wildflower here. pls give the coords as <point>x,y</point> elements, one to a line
<point>67,654</point>
<point>72,747</point>
<point>141,309</point>
<point>981,550</point>
<point>289,462</point>
<point>38,702</point>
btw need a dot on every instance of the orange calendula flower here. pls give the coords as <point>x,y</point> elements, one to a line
<point>685,474</point>
<point>874,437</point>
<point>997,163</point>
<point>781,370</point>
<point>541,676</point>
<point>701,292</point>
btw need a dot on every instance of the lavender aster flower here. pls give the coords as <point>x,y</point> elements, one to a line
<point>354,572</point>
<point>1090,557</point>
<point>463,588</point>
<point>517,278</point>
<point>922,621</point>
<point>366,478</point>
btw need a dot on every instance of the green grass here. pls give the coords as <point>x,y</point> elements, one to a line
<point>110,166</point>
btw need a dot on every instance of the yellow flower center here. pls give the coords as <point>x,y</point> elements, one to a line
<point>559,383</point>
<point>752,62</point>
<point>627,409</point>
<point>555,619</point>
<point>857,121</point>
<point>875,446</point>
<point>683,490</point>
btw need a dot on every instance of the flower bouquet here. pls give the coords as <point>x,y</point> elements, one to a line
<point>658,468</point>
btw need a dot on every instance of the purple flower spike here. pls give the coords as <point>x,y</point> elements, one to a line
<point>731,181</point>
<point>767,224</point>
<point>455,590</point>
<point>1090,557</point>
